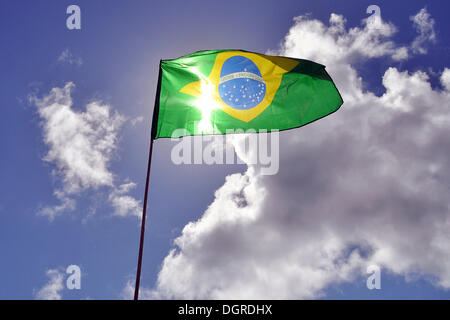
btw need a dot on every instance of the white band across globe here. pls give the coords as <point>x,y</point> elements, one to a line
<point>241,75</point>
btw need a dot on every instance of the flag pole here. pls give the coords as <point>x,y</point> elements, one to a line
<point>144,214</point>
<point>147,182</point>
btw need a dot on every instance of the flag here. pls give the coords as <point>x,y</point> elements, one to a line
<point>215,91</point>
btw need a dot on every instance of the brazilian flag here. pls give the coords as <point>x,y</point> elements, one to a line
<point>215,91</point>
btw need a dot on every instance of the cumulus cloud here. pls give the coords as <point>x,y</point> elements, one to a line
<point>424,25</point>
<point>366,185</point>
<point>334,43</point>
<point>81,145</point>
<point>52,289</point>
<point>67,57</point>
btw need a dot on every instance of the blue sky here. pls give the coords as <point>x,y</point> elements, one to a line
<point>115,58</point>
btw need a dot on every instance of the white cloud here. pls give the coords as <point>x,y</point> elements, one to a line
<point>367,185</point>
<point>424,25</point>
<point>128,292</point>
<point>136,120</point>
<point>52,289</point>
<point>67,57</point>
<point>335,44</point>
<point>81,145</point>
<point>445,79</point>
<point>66,204</point>
<point>123,204</point>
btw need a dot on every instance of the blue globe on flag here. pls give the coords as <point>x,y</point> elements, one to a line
<point>241,85</point>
